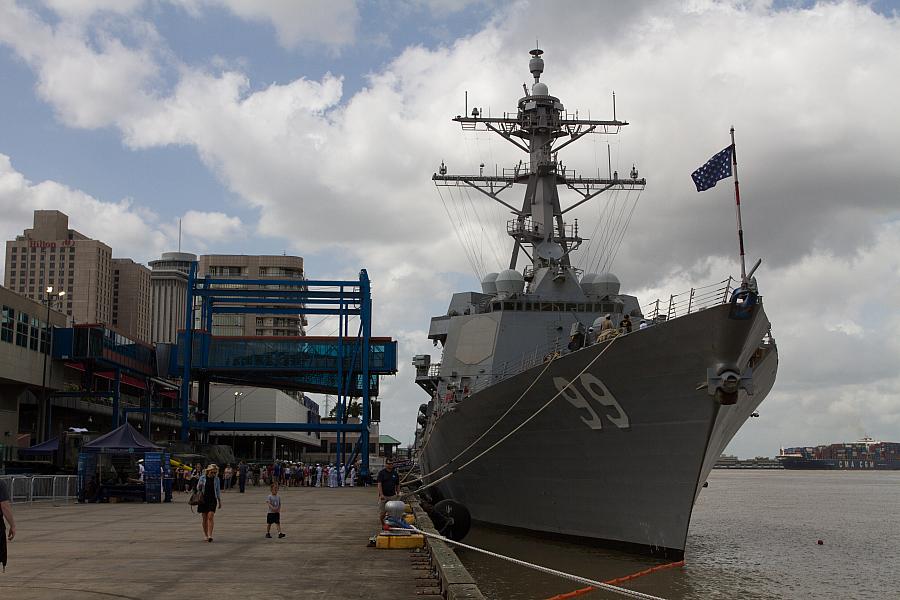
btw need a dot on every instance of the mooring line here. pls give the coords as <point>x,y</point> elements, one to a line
<point>520,426</point>
<point>487,431</point>
<point>594,584</point>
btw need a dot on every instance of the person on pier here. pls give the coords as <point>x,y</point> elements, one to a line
<point>211,494</point>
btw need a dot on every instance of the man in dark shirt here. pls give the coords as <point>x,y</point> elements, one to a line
<point>242,476</point>
<point>388,486</point>
<point>7,516</point>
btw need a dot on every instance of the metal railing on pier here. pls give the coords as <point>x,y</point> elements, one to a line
<point>25,489</point>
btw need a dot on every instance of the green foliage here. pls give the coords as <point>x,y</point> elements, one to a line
<point>354,409</point>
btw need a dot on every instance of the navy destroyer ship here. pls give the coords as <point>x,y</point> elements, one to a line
<point>547,412</point>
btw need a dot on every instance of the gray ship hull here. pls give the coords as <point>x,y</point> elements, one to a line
<point>622,454</point>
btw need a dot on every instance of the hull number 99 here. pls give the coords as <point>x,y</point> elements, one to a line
<point>593,388</point>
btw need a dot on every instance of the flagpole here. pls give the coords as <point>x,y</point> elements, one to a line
<point>737,203</point>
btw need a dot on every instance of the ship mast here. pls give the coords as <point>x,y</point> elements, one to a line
<point>537,128</point>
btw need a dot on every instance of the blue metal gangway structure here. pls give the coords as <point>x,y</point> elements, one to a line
<point>101,353</point>
<point>347,366</point>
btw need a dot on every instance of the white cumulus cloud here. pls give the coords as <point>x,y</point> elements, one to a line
<point>296,22</point>
<point>810,90</point>
<point>211,226</point>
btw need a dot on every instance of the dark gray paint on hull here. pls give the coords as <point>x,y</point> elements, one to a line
<point>635,485</point>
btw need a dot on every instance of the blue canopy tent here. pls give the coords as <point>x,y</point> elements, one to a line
<point>48,447</point>
<point>123,439</point>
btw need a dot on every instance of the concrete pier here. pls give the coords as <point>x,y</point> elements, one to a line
<point>157,551</point>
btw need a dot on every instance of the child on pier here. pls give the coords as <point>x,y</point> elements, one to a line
<point>273,516</point>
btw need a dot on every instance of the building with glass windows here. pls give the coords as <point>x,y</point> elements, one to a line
<point>51,255</point>
<point>24,340</point>
<point>98,288</point>
<point>255,267</point>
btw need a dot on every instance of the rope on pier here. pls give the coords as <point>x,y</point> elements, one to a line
<point>520,426</point>
<point>618,580</point>
<point>594,584</point>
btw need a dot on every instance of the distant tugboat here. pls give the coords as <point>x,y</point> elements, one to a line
<point>537,422</point>
<point>866,454</point>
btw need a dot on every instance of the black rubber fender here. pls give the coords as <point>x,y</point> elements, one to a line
<point>452,519</point>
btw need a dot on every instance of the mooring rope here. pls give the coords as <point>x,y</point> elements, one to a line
<point>520,426</point>
<point>488,430</point>
<point>571,577</point>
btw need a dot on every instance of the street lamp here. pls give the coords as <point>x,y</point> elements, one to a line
<point>234,419</point>
<point>49,296</point>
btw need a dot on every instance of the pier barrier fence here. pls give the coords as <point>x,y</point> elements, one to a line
<point>24,489</point>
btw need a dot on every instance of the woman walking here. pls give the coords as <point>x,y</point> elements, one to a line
<point>211,498</point>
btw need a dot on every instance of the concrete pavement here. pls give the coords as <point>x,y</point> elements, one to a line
<point>144,551</point>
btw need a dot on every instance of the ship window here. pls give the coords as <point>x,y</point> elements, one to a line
<point>509,306</point>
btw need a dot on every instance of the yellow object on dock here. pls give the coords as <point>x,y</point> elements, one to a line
<point>416,540</point>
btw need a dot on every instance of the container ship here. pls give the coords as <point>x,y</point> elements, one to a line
<point>865,454</point>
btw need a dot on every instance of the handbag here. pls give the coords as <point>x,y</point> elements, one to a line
<point>196,497</point>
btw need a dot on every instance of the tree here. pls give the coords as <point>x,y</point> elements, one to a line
<point>354,409</point>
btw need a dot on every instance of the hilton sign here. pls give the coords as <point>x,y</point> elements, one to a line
<point>47,244</point>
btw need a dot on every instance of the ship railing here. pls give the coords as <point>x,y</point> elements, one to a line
<point>678,305</point>
<point>509,368</point>
<point>694,300</point>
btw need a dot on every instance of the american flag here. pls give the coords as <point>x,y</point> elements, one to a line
<point>716,168</point>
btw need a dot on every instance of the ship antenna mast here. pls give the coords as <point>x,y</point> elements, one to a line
<point>538,128</point>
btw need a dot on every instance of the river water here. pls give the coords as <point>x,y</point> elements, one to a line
<point>753,535</point>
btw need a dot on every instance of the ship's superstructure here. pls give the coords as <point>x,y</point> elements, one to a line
<point>568,420</point>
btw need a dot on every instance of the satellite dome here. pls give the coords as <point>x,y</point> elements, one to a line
<point>489,284</point>
<point>607,284</point>
<point>540,89</point>
<point>510,281</point>
<point>587,282</point>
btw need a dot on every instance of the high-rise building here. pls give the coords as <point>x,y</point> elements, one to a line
<point>131,299</point>
<point>99,289</point>
<point>51,254</point>
<point>255,267</point>
<point>168,290</point>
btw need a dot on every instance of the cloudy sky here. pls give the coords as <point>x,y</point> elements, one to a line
<point>313,128</point>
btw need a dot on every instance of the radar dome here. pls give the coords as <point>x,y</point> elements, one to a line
<point>540,89</point>
<point>510,281</point>
<point>587,283</point>
<point>489,284</point>
<point>606,284</point>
